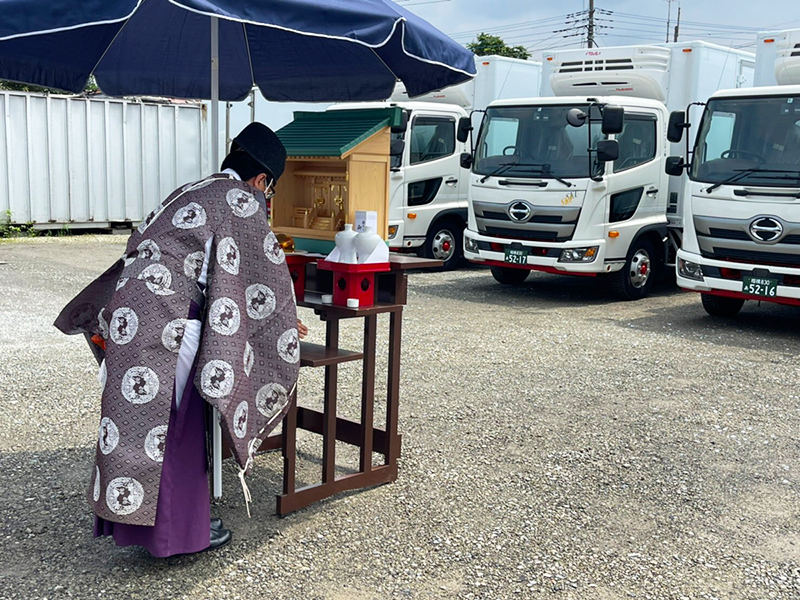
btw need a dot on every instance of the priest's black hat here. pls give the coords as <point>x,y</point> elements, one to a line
<point>260,142</point>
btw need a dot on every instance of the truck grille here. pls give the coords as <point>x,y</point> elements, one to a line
<point>728,239</point>
<point>583,66</point>
<point>546,223</point>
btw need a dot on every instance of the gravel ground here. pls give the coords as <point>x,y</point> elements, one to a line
<point>556,443</point>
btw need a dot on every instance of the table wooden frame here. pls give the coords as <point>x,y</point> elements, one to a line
<point>391,289</point>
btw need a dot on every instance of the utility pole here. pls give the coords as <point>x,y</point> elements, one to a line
<point>590,27</point>
<point>678,25</point>
<point>669,15</point>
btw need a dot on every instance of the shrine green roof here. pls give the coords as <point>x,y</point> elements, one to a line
<point>335,132</point>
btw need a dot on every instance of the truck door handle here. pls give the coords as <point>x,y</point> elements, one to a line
<point>652,192</point>
<point>451,181</point>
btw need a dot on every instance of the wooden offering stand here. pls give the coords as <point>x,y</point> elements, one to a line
<point>391,291</point>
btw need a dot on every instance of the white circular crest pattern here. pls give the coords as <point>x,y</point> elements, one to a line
<point>109,436</point>
<point>158,279</point>
<point>249,358</point>
<point>140,385</point>
<point>240,420</point>
<point>102,324</point>
<point>172,335</point>
<point>242,203</point>
<point>155,443</point>
<point>124,495</point>
<point>289,346</point>
<point>273,250</point>
<point>123,326</point>
<point>190,216</point>
<point>271,398</point>
<point>228,255</point>
<point>96,493</point>
<point>193,264</point>
<point>260,301</point>
<point>216,379</point>
<point>149,250</point>
<point>224,316</point>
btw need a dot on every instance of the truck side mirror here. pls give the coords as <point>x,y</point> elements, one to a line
<point>403,126</point>
<point>464,127</point>
<point>674,165</point>
<point>396,147</point>
<point>613,119</point>
<point>466,160</point>
<point>607,150</point>
<point>576,117</point>
<point>677,123</point>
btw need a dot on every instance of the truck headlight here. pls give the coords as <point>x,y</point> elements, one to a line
<point>579,254</point>
<point>470,245</point>
<point>393,231</point>
<point>690,270</point>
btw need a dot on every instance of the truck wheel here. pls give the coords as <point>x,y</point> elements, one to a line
<point>720,306</point>
<point>509,275</point>
<point>445,242</point>
<point>635,279</point>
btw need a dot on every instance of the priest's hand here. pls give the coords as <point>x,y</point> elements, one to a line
<point>302,330</point>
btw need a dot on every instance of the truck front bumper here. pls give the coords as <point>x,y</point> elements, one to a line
<point>725,278</point>
<point>541,256</point>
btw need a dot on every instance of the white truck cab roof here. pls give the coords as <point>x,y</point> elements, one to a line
<point>772,90</point>
<point>624,101</point>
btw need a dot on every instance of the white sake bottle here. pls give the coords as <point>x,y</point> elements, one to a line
<point>346,243</point>
<point>366,242</point>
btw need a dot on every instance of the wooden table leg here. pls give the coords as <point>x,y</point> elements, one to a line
<point>393,389</point>
<point>368,393</point>
<point>290,446</point>
<point>329,427</point>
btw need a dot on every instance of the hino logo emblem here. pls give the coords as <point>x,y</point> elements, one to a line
<point>519,211</point>
<point>766,229</point>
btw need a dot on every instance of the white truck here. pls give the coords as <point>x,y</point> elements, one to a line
<point>742,210</point>
<point>573,182</point>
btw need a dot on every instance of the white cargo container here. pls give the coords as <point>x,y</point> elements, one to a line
<point>93,163</point>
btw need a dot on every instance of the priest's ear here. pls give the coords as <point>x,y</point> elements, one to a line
<point>260,182</point>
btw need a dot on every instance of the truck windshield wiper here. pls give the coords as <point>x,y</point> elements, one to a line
<point>742,173</point>
<point>500,169</point>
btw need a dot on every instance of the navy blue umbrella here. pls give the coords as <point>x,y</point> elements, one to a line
<point>293,50</point>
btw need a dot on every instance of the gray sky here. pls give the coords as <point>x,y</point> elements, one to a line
<point>533,24</point>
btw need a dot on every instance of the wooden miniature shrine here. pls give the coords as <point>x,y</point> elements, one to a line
<point>338,163</point>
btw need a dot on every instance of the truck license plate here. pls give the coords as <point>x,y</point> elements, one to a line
<point>760,286</point>
<point>517,256</point>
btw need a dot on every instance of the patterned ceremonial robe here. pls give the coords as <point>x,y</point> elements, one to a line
<point>248,357</point>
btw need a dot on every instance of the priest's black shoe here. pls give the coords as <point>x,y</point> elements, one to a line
<point>219,538</point>
<point>216,523</point>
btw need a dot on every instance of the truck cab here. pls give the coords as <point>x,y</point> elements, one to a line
<point>560,194</point>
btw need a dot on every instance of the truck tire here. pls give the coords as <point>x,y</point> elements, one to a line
<point>445,242</point>
<point>721,306</point>
<point>509,275</point>
<point>635,279</point>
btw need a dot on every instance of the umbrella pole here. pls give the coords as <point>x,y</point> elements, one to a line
<point>215,424</point>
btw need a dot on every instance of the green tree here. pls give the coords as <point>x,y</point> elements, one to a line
<point>487,44</point>
<point>91,87</point>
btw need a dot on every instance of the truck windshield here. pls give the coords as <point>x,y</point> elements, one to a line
<point>749,141</point>
<point>534,141</point>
